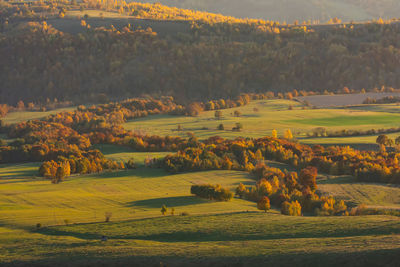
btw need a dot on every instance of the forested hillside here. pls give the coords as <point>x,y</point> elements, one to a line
<point>290,10</point>
<point>55,50</point>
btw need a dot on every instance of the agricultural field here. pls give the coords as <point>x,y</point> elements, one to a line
<point>28,200</point>
<point>71,23</point>
<point>124,154</point>
<point>260,117</point>
<point>225,239</point>
<point>234,232</point>
<point>342,100</point>
<point>111,185</point>
<point>20,116</point>
<point>355,193</point>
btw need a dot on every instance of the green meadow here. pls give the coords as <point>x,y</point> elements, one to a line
<point>235,239</point>
<point>140,193</point>
<point>260,117</point>
<point>72,214</point>
<point>20,116</point>
<point>354,193</point>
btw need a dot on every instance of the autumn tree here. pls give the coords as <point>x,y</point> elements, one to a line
<point>308,178</point>
<point>241,190</point>
<point>274,133</point>
<point>264,204</point>
<point>292,208</point>
<point>383,141</point>
<point>20,105</point>
<point>60,174</point>
<point>288,134</point>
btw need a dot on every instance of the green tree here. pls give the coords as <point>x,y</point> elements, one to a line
<point>218,114</point>
<point>60,174</point>
<point>237,113</point>
<point>164,210</point>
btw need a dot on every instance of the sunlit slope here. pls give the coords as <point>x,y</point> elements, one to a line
<point>290,10</point>
<point>259,118</point>
<point>126,194</point>
<point>233,239</point>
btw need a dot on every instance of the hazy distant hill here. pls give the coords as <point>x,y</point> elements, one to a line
<point>290,10</point>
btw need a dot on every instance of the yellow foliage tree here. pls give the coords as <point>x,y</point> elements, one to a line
<point>274,133</point>
<point>288,134</point>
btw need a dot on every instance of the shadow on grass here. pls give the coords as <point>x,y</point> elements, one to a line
<point>107,149</point>
<point>140,172</point>
<point>373,257</point>
<point>19,170</point>
<point>338,180</point>
<point>172,229</point>
<point>168,201</point>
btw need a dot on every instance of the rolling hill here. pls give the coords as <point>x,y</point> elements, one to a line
<point>290,10</point>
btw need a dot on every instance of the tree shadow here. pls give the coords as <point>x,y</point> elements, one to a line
<point>168,201</point>
<point>285,258</point>
<point>20,170</point>
<point>140,172</point>
<point>347,179</point>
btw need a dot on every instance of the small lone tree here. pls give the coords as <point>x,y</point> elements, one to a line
<point>274,133</point>
<point>221,127</point>
<point>130,164</point>
<point>238,127</point>
<point>264,204</point>
<point>383,141</point>
<point>218,114</point>
<point>164,210</point>
<point>237,113</point>
<point>288,134</point>
<point>108,216</point>
<point>172,211</point>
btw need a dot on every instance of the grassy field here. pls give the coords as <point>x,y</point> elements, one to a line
<point>372,195</point>
<point>237,239</point>
<point>71,23</point>
<point>215,233</point>
<point>20,116</point>
<point>288,10</point>
<point>274,114</point>
<point>140,193</point>
<point>124,154</point>
<point>23,170</point>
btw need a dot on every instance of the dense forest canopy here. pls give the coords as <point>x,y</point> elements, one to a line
<point>290,10</point>
<point>48,54</point>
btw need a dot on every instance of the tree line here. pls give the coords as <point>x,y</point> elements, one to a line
<point>211,60</point>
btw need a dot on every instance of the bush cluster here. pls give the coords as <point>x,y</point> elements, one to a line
<point>212,192</point>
